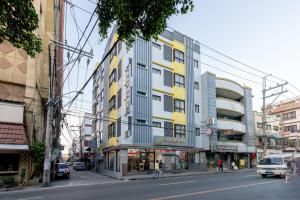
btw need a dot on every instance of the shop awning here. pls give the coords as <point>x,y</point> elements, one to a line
<point>13,136</point>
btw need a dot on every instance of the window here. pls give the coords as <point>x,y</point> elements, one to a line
<point>112,130</point>
<point>112,53</point>
<point>197,131</point>
<point>178,80</point>
<point>156,97</point>
<point>292,128</point>
<point>154,44</point>
<point>179,106</point>
<point>268,127</point>
<point>112,103</point>
<point>289,115</point>
<point>141,93</point>
<point>112,77</point>
<point>141,65</point>
<point>197,108</point>
<point>156,71</point>
<point>275,128</point>
<point>178,56</point>
<point>259,125</point>
<point>156,124</point>
<point>196,63</point>
<point>120,70</point>
<point>141,122</point>
<point>179,130</point>
<point>196,86</point>
<point>119,98</point>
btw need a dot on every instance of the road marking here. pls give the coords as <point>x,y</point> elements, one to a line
<point>214,190</point>
<point>250,175</point>
<point>30,198</point>
<point>182,182</point>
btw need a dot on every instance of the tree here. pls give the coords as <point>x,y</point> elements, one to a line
<point>138,17</point>
<point>18,21</point>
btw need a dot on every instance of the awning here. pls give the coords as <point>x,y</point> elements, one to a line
<point>13,136</point>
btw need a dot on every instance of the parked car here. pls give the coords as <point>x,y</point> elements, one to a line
<point>69,163</point>
<point>78,166</point>
<point>62,170</point>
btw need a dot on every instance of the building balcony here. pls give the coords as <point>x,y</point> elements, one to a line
<point>229,107</point>
<point>229,89</point>
<point>226,124</point>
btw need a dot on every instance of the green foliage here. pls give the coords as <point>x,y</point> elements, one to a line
<point>22,175</point>
<point>37,152</point>
<point>138,17</point>
<point>8,181</point>
<point>18,21</point>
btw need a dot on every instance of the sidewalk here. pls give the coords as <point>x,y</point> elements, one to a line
<point>190,173</point>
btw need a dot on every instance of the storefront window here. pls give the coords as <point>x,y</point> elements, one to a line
<point>140,160</point>
<point>118,156</point>
<point>9,162</point>
<point>111,160</point>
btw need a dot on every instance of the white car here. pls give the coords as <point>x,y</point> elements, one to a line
<point>273,165</point>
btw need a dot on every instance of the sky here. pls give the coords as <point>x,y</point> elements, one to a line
<point>264,34</point>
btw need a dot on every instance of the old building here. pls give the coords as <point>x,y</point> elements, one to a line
<point>25,81</point>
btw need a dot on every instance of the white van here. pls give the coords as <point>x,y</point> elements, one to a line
<point>275,164</point>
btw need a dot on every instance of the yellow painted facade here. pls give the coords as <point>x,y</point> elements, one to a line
<point>112,141</point>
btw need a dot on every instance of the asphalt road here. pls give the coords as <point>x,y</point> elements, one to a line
<point>233,186</point>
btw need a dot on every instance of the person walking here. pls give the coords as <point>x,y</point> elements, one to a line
<point>160,167</point>
<point>156,170</point>
<point>220,165</point>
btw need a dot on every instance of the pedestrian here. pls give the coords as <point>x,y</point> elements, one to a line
<point>160,167</point>
<point>156,170</point>
<point>220,165</point>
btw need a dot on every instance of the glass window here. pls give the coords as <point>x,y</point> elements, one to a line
<point>178,56</point>
<point>197,131</point>
<point>141,65</point>
<point>196,63</point>
<point>156,97</point>
<point>178,80</point>
<point>156,71</point>
<point>292,128</point>
<point>112,77</point>
<point>259,125</point>
<point>112,130</point>
<point>141,121</point>
<point>112,103</point>
<point>141,93</point>
<point>196,86</point>
<point>289,115</point>
<point>197,108</point>
<point>179,105</point>
<point>156,124</point>
<point>268,127</point>
<point>154,44</point>
<point>275,128</point>
<point>179,130</point>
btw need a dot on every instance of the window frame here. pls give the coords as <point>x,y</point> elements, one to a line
<point>156,71</point>
<point>179,108</point>
<point>180,130</point>
<point>196,85</point>
<point>197,131</point>
<point>154,123</point>
<point>177,54</point>
<point>112,77</point>
<point>197,108</point>
<point>112,106</point>
<point>156,97</point>
<point>195,61</point>
<point>111,132</point>
<point>178,83</point>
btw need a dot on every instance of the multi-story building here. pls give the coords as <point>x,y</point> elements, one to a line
<point>25,81</point>
<point>273,137</point>
<point>227,109</point>
<point>85,134</point>
<point>288,114</point>
<point>147,103</point>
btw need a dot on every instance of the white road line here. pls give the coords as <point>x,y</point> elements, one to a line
<point>30,198</point>
<point>175,183</point>
<point>214,190</point>
<point>250,175</point>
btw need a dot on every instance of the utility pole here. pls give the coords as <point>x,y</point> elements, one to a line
<point>80,139</point>
<point>264,92</point>
<point>51,101</point>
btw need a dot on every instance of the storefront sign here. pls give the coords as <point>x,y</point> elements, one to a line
<point>169,141</point>
<point>224,148</point>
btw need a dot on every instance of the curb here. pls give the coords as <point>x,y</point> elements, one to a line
<point>196,174</point>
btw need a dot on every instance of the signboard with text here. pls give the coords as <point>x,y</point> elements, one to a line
<point>169,141</point>
<point>225,148</point>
